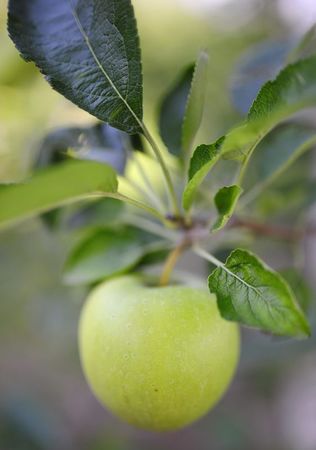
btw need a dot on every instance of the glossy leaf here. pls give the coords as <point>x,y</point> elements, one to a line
<point>49,188</point>
<point>106,252</point>
<point>203,159</point>
<point>225,202</point>
<point>89,52</point>
<point>172,112</point>
<point>250,292</point>
<point>195,104</point>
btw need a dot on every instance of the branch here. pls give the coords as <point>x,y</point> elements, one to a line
<point>274,231</point>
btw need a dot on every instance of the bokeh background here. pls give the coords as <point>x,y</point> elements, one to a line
<point>44,400</point>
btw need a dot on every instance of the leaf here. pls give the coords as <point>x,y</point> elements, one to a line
<point>259,64</point>
<point>292,90</point>
<point>99,142</point>
<point>89,52</point>
<point>106,252</point>
<point>280,149</point>
<point>195,104</point>
<point>225,201</point>
<point>172,112</point>
<point>250,292</point>
<point>49,188</point>
<point>203,159</point>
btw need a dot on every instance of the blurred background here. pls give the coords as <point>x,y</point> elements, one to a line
<point>44,400</point>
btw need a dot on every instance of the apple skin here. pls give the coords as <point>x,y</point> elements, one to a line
<point>157,357</point>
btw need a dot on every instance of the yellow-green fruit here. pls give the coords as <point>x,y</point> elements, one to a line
<point>159,358</point>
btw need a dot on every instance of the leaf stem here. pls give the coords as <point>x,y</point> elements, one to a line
<point>151,192</point>
<point>205,255</point>
<point>133,202</point>
<point>164,169</point>
<point>170,263</point>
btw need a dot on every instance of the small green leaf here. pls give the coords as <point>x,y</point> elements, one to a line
<point>88,51</point>
<point>195,104</point>
<point>250,292</point>
<point>203,159</point>
<point>172,111</point>
<point>107,252</point>
<point>225,202</point>
<point>49,188</point>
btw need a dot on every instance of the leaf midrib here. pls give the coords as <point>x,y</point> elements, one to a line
<point>100,66</point>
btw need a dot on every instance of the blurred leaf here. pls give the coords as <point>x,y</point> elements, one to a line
<point>100,143</point>
<point>88,52</point>
<point>300,287</point>
<point>203,159</point>
<point>292,90</point>
<point>107,210</point>
<point>225,201</point>
<point>195,104</point>
<point>105,253</point>
<point>256,67</point>
<point>281,148</point>
<point>53,187</point>
<point>305,48</point>
<point>172,112</point>
<point>250,292</point>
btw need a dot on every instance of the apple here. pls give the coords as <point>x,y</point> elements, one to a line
<point>157,357</point>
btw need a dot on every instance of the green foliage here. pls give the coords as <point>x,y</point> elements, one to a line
<point>172,111</point>
<point>106,252</point>
<point>203,159</point>
<point>225,201</point>
<point>292,90</point>
<point>53,187</point>
<point>195,104</point>
<point>88,53</point>
<point>250,292</point>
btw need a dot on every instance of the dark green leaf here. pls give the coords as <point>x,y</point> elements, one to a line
<point>49,188</point>
<point>105,253</point>
<point>195,104</point>
<point>250,292</point>
<point>172,112</point>
<point>89,52</point>
<point>203,159</point>
<point>225,202</point>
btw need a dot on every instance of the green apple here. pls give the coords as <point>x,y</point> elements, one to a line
<point>157,357</point>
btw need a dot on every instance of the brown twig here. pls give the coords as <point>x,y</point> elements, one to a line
<point>275,231</point>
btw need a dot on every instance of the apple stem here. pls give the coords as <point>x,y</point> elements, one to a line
<point>171,262</point>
